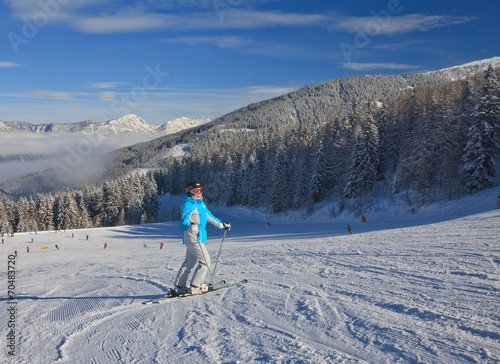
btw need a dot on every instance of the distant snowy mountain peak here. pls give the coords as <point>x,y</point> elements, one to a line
<point>182,123</point>
<point>127,124</point>
<point>130,123</point>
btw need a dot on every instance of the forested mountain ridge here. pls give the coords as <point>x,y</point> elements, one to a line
<point>435,138</point>
<point>318,100</point>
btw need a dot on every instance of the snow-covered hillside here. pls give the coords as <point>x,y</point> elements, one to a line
<point>467,69</point>
<point>411,290</point>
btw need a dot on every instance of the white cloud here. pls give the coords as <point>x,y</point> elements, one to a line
<point>137,20</point>
<point>107,95</point>
<point>397,24</point>
<point>250,19</point>
<point>120,23</point>
<point>397,46</point>
<point>219,42</point>
<point>265,92</point>
<point>101,17</point>
<point>8,64</point>
<point>104,84</point>
<point>52,95</point>
<point>372,66</point>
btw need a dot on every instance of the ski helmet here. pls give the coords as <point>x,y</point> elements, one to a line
<point>193,188</point>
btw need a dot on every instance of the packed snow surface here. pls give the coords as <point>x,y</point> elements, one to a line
<point>406,291</point>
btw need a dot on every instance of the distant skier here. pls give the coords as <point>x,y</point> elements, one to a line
<point>87,238</point>
<point>194,218</point>
<point>27,249</point>
<point>145,245</point>
<point>105,245</point>
<point>57,247</point>
<point>161,246</point>
<point>349,229</point>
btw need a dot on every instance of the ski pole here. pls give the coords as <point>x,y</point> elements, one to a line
<point>206,262</point>
<point>220,249</point>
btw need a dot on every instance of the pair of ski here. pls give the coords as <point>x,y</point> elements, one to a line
<point>211,288</point>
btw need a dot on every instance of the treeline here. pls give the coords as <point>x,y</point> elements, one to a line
<point>437,141</point>
<point>123,201</point>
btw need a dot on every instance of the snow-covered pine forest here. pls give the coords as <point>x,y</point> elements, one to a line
<point>429,143</point>
<point>432,142</point>
<point>129,200</point>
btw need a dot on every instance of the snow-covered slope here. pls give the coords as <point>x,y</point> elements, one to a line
<point>476,65</point>
<point>465,70</point>
<point>427,293</point>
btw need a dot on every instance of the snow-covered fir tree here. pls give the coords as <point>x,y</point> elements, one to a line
<point>45,205</point>
<point>363,170</point>
<point>318,178</point>
<point>483,144</point>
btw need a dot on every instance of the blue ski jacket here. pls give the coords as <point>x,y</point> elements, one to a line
<point>194,216</point>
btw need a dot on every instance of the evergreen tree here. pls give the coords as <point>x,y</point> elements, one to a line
<point>280,181</point>
<point>5,216</point>
<point>93,199</point>
<point>465,108</point>
<point>482,145</point>
<point>69,214</point>
<point>85,221</point>
<point>318,178</point>
<point>22,211</point>
<point>252,180</point>
<point>363,171</point>
<point>45,211</point>
<point>299,180</point>
<point>150,200</point>
<point>32,221</point>
<point>113,203</point>
<point>488,109</point>
<point>478,160</point>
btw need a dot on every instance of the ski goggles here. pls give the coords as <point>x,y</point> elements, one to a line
<point>195,191</point>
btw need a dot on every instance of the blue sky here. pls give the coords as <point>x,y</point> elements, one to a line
<point>74,60</point>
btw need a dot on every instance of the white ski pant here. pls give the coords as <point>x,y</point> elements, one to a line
<point>196,253</point>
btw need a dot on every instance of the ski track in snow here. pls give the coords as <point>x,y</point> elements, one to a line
<point>420,294</point>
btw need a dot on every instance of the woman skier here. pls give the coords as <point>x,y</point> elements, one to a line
<point>194,217</point>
